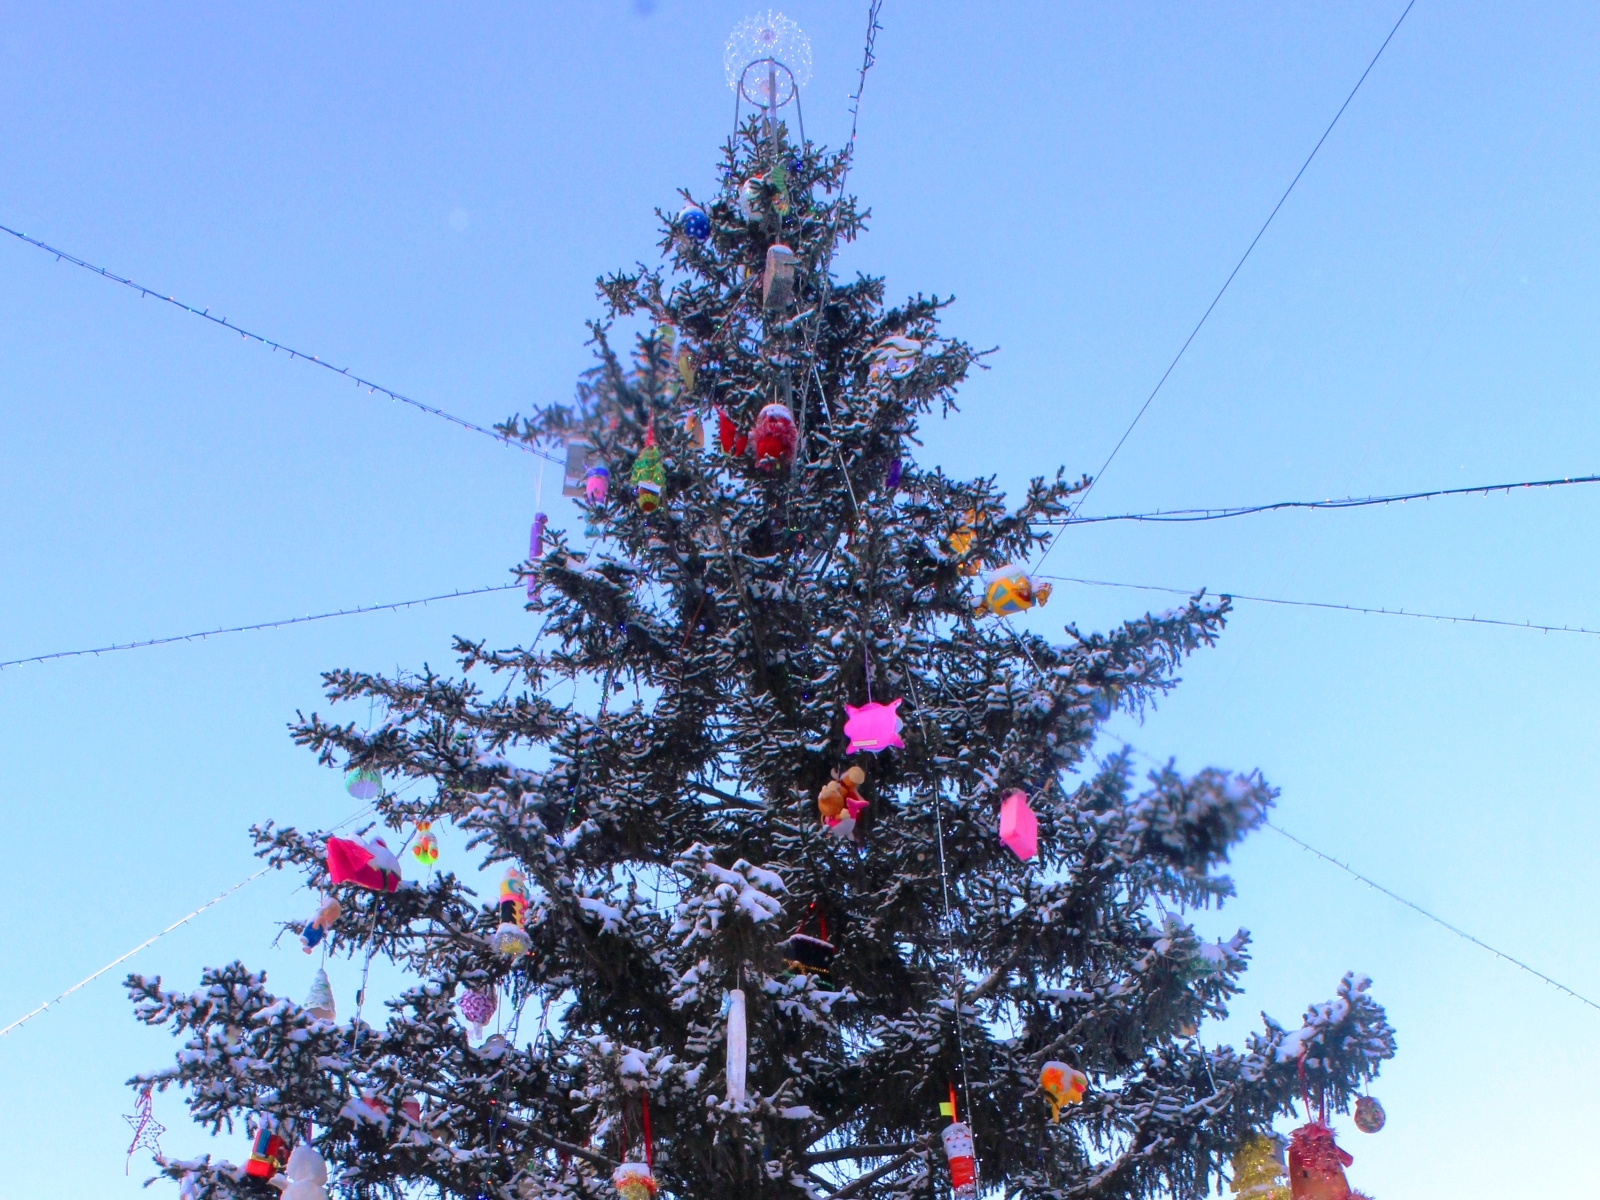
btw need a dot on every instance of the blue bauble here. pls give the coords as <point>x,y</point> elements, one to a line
<point>694,222</point>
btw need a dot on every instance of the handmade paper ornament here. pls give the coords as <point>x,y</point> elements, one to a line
<point>840,802</point>
<point>147,1130</point>
<point>873,727</point>
<point>1062,1085</point>
<point>633,1181</point>
<point>1369,1115</point>
<point>1008,590</point>
<point>510,938</point>
<point>371,865</point>
<point>1316,1164</point>
<point>425,849</point>
<point>728,436</point>
<point>477,1007</point>
<point>304,1176</point>
<point>750,196</point>
<point>963,1166</point>
<point>649,474</point>
<point>320,925</point>
<point>693,221</point>
<point>777,279</point>
<point>775,437</point>
<point>1019,828</point>
<point>738,1047</point>
<point>893,358</point>
<point>1258,1169</point>
<point>364,783</point>
<point>319,1002</point>
<point>269,1152</point>
<point>596,483</point>
<point>575,473</point>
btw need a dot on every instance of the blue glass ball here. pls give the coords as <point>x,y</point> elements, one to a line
<point>694,222</point>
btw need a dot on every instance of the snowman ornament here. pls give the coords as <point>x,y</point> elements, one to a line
<point>305,1175</point>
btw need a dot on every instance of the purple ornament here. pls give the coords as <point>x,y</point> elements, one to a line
<point>477,1008</point>
<point>536,548</point>
<point>892,479</point>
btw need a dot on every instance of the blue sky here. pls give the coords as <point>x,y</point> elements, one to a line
<point>426,194</point>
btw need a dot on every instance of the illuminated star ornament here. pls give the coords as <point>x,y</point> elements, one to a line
<point>147,1130</point>
<point>873,727</point>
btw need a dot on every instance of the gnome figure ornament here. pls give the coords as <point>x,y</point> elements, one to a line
<point>320,1003</point>
<point>775,437</point>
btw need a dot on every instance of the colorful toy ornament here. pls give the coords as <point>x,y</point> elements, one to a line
<point>1009,590</point>
<point>1258,1169</point>
<point>749,200</point>
<point>961,539</point>
<point>873,727</point>
<point>693,221</point>
<point>891,477</point>
<point>633,1181</point>
<point>363,783</point>
<point>963,1166</point>
<point>478,1009</point>
<point>1316,1164</point>
<point>894,358</point>
<point>777,280</point>
<point>510,938</point>
<point>1369,1115</point>
<point>775,437</point>
<point>269,1152</point>
<point>805,954</point>
<point>319,1003</point>
<point>840,802</point>
<point>1019,828</point>
<point>1062,1085</point>
<point>649,474</point>
<point>305,1176</point>
<point>728,436</point>
<point>426,848</point>
<point>320,925</point>
<point>371,865</point>
<point>596,483</point>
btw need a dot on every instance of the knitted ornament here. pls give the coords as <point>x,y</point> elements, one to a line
<point>1258,1169</point>
<point>840,802</point>
<point>695,224</point>
<point>478,1008</point>
<point>1019,828</point>
<point>320,925</point>
<point>873,727</point>
<point>775,437</point>
<point>304,1176</point>
<point>363,783</point>
<point>649,474</point>
<point>1369,1115</point>
<point>1008,590</point>
<point>319,1003</point>
<point>371,865</point>
<point>1316,1164</point>
<point>426,847</point>
<point>1062,1085</point>
<point>633,1181</point>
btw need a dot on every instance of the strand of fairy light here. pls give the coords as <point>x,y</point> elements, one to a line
<point>1217,299</point>
<point>223,322</point>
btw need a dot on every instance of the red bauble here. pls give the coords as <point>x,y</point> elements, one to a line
<point>775,437</point>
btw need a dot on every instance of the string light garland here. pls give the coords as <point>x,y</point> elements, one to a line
<point>1245,510</point>
<point>1226,283</point>
<point>205,314</point>
<point>1355,608</point>
<point>192,637</point>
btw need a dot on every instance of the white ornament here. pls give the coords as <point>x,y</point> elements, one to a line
<point>304,1176</point>
<point>768,58</point>
<point>738,1047</point>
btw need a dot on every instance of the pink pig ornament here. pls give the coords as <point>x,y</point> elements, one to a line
<point>873,727</point>
<point>1019,828</point>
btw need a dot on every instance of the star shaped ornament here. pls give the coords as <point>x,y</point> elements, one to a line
<point>147,1130</point>
<point>873,727</point>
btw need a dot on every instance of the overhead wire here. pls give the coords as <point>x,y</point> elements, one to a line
<point>1217,514</point>
<point>1226,283</point>
<point>286,621</point>
<point>205,314</point>
<point>1355,608</point>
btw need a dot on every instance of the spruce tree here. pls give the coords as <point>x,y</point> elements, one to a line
<point>678,873</point>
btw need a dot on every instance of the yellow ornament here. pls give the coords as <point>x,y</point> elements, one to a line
<point>1008,590</point>
<point>633,1181</point>
<point>961,540</point>
<point>1062,1085</point>
<point>1258,1170</point>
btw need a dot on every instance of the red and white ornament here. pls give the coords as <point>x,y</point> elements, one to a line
<point>775,437</point>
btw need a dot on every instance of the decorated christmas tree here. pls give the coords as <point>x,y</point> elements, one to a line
<point>812,887</point>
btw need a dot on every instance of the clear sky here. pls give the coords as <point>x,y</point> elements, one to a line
<point>427,193</point>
